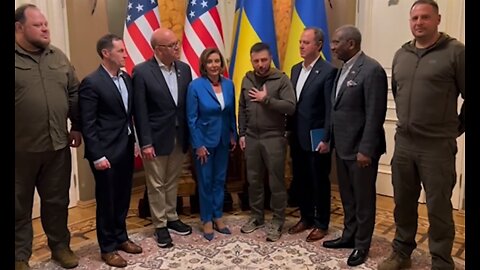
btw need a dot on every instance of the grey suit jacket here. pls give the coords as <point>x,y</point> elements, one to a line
<point>358,112</point>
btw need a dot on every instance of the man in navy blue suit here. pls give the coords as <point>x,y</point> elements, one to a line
<point>105,98</point>
<point>313,81</point>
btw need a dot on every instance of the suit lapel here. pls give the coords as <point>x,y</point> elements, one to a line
<point>128,83</point>
<point>209,89</point>
<point>295,74</point>
<point>180,90</point>
<point>311,77</point>
<point>356,68</point>
<point>225,91</point>
<point>113,87</point>
<point>158,75</point>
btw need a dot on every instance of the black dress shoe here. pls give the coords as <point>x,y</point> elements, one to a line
<point>338,243</point>
<point>357,257</point>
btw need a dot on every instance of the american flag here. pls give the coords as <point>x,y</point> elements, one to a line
<point>203,29</point>
<point>142,19</point>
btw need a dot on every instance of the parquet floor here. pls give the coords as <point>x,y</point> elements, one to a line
<point>82,224</point>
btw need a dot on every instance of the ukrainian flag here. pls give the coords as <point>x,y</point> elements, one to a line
<point>306,13</point>
<point>253,23</point>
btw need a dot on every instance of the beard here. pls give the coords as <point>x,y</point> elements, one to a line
<point>262,72</point>
<point>41,44</point>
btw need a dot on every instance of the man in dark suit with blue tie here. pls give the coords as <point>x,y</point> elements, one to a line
<point>313,81</point>
<point>105,98</point>
<point>160,88</point>
<point>358,112</point>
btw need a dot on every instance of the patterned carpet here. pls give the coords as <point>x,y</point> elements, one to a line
<point>237,251</point>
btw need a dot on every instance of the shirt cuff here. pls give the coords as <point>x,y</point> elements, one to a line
<point>146,146</point>
<point>99,160</point>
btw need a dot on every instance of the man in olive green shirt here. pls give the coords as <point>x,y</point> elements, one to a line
<point>45,96</point>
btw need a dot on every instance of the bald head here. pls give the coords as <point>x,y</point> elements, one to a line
<point>165,45</point>
<point>161,36</point>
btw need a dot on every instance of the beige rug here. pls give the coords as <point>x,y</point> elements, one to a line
<point>238,251</point>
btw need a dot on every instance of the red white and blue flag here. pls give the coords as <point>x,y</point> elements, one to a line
<point>142,19</point>
<point>203,29</point>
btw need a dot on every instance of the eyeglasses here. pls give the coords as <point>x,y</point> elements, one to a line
<point>174,45</point>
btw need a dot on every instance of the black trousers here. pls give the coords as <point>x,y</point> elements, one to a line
<point>311,172</point>
<point>113,188</point>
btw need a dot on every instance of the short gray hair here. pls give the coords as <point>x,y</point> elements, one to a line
<point>350,32</point>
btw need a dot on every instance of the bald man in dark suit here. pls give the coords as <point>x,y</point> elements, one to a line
<point>160,87</point>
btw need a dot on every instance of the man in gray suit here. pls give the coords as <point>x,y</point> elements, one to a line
<point>358,112</point>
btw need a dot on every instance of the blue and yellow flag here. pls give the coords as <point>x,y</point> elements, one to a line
<point>253,23</point>
<point>306,13</point>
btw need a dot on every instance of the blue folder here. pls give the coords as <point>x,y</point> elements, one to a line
<point>316,136</point>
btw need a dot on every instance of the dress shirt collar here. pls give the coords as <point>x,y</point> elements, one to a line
<point>163,66</point>
<point>352,60</point>
<point>309,67</point>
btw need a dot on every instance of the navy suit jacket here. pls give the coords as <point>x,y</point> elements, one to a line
<point>314,105</point>
<point>157,118</point>
<point>358,113</point>
<point>103,116</point>
<point>209,124</point>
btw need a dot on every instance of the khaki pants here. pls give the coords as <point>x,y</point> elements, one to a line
<point>162,175</point>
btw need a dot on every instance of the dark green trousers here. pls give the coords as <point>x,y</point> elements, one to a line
<point>50,173</point>
<point>266,156</point>
<point>431,163</point>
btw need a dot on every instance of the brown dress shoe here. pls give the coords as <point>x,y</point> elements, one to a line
<point>114,259</point>
<point>316,235</point>
<point>298,228</point>
<point>130,247</point>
